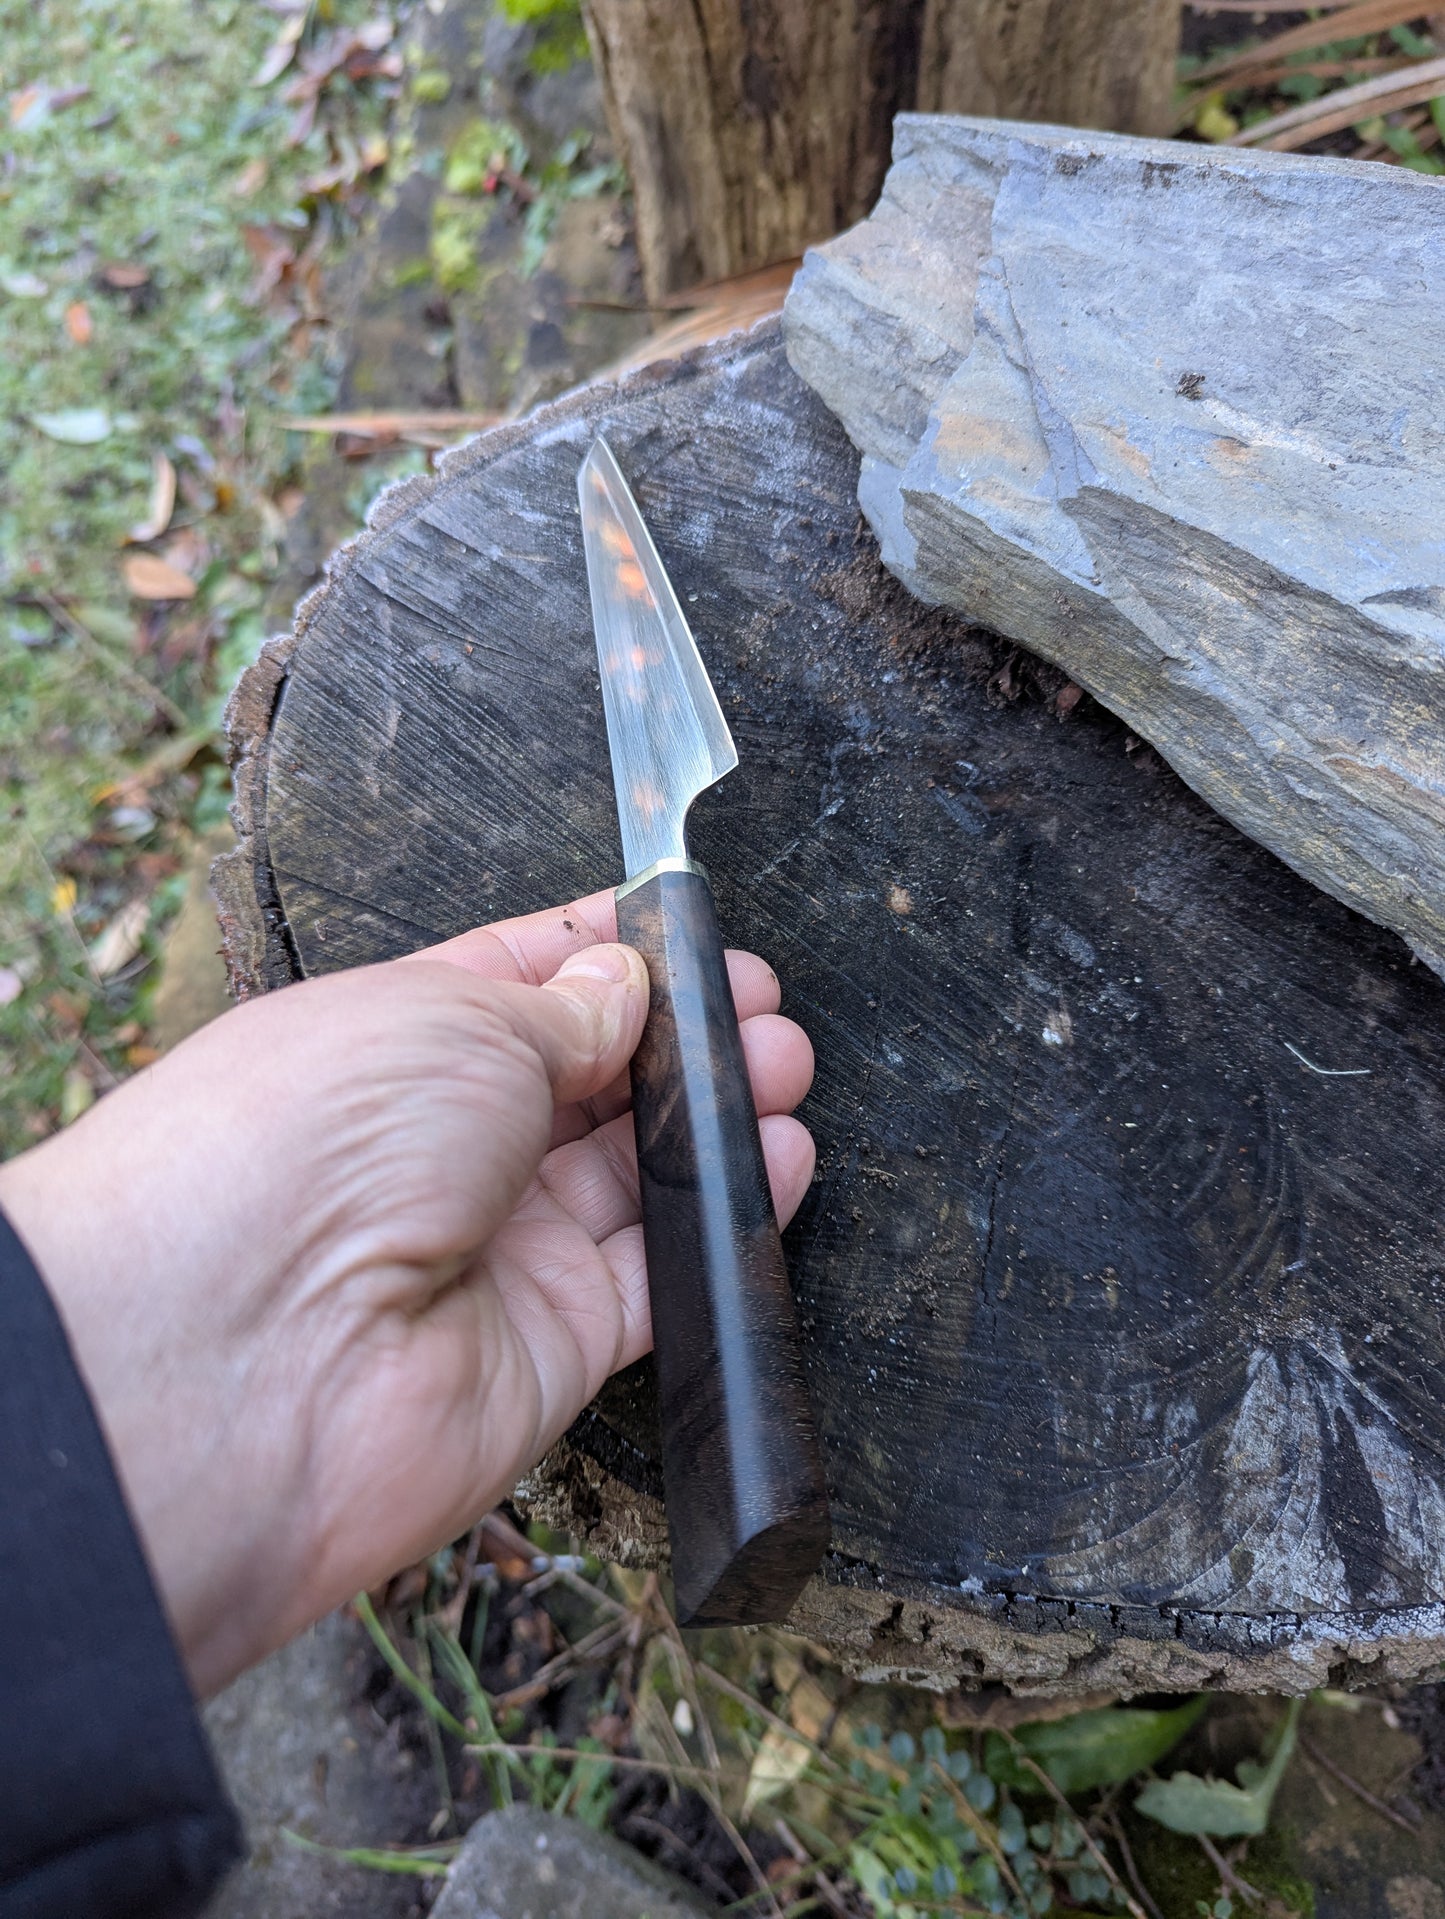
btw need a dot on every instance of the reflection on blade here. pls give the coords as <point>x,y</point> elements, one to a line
<point>668,737</point>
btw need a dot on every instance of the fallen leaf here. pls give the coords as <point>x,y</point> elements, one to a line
<point>274,253</point>
<point>32,106</point>
<point>24,286</point>
<point>76,425</point>
<point>282,50</point>
<point>777,1762</point>
<point>76,1094</point>
<point>29,107</point>
<point>78,322</point>
<point>125,275</point>
<point>151,578</point>
<point>250,179</point>
<point>139,1056</point>
<point>11,985</point>
<point>119,942</point>
<point>188,552</point>
<point>163,502</point>
<point>62,898</point>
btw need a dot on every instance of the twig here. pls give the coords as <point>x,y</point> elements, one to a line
<point>685,1673</point>
<point>1101,1858</point>
<point>139,685</point>
<point>1323,1783</point>
<point>1362,16</point>
<point>596,1645</point>
<point>1351,1784</point>
<point>493,1747</point>
<point>1332,111</point>
<point>643,1822</point>
<point>584,1587</point>
<point>1328,1072</point>
<point>1125,1852</point>
<point>1261,6</point>
<point>745,1698</point>
<point>1228,1877</point>
<point>807,1865</point>
<point>380,426</point>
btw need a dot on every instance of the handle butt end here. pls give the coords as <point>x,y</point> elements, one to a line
<point>757,1582</point>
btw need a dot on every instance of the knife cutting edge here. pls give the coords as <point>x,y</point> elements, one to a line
<point>746,1499</point>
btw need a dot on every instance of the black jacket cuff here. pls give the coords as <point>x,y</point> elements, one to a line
<point>110,1802</point>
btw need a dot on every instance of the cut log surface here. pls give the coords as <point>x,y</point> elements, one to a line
<point>1123,1274</point>
<point>1170,417</point>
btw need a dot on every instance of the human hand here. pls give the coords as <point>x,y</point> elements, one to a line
<point>346,1262</point>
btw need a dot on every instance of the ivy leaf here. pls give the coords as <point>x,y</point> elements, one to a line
<point>1187,1803</point>
<point>1099,1748</point>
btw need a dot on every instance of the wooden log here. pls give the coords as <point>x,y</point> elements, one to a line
<point>1166,415</point>
<point>751,127</point>
<point>1123,1275</point>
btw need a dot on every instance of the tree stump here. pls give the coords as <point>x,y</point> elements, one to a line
<point>1123,1273</point>
<point>751,127</point>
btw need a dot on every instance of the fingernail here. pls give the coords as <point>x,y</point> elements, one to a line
<point>610,963</point>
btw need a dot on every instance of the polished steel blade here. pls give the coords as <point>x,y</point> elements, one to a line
<point>668,737</point>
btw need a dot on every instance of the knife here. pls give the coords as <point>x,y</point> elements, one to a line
<point>747,1504</point>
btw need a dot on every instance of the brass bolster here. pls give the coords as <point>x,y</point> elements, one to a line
<point>651,873</point>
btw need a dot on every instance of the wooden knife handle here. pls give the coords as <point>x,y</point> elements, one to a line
<point>747,1504</point>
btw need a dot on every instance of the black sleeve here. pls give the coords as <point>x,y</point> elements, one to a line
<point>110,1803</point>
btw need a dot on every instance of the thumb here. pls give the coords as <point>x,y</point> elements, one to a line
<point>586,1020</point>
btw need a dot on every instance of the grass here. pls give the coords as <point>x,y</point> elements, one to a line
<point>803,1790</point>
<point>152,183</point>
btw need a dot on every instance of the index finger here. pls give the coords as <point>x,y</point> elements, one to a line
<point>528,950</point>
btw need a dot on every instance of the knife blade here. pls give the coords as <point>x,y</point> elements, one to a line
<point>742,1472</point>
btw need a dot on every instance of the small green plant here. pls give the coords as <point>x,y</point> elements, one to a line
<point>1187,1803</point>
<point>565,177</point>
<point>940,1836</point>
<point>1089,1749</point>
<point>561,37</point>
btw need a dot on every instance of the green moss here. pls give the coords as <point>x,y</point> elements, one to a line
<point>561,37</point>
<point>1179,1876</point>
<point>431,86</point>
<point>456,229</point>
<point>480,153</point>
<point>412,273</point>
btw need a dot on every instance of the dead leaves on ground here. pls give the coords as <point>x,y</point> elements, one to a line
<point>149,577</point>
<point>32,106</point>
<point>162,503</point>
<point>353,53</point>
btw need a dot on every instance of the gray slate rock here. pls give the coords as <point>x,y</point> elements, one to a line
<point>522,1863</point>
<point>303,1750</point>
<point>1171,417</point>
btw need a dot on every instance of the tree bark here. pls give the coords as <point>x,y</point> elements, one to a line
<point>1082,63</point>
<point>1121,1277</point>
<point>751,128</point>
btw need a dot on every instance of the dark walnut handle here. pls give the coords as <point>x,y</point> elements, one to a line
<point>747,1506</point>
